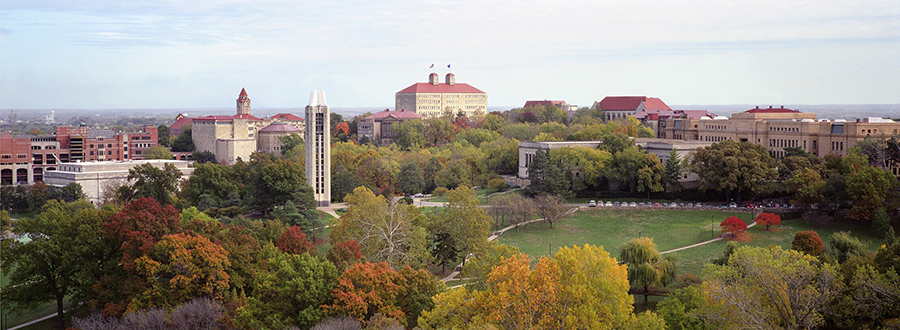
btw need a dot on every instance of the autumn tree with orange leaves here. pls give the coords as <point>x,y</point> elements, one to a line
<point>768,219</point>
<point>293,241</point>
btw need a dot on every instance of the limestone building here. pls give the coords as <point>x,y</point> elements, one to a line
<point>238,136</point>
<point>779,128</point>
<point>318,147</point>
<point>619,107</point>
<point>380,126</point>
<point>433,98</point>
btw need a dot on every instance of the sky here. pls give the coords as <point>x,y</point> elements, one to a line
<point>108,54</point>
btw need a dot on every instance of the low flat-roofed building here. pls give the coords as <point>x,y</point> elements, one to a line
<point>94,176</point>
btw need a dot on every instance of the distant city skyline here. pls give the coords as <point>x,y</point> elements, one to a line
<point>106,54</point>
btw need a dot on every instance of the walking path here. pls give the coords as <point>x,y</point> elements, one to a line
<point>702,243</point>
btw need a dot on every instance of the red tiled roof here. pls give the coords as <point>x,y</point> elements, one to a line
<point>181,122</point>
<point>544,102</point>
<point>217,117</point>
<point>440,88</point>
<point>287,116</point>
<point>622,103</point>
<point>771,110</point>
<point>243,92</point>
<point>402,114</point>
<point>279,127</point>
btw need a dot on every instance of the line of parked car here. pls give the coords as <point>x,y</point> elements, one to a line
<point>594,203</point>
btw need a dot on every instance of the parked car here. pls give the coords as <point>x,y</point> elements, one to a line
<point>608,203</point>
<point>655,204</point>
<point>592,203</point>
<point>632,204</point>
<point>732,204</point>
<point>616,203</point>
<point>689,205</point>
<point>641,204</point>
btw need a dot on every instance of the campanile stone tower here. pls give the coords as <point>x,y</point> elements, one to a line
<point>318,147</point>
<point>243,103</point>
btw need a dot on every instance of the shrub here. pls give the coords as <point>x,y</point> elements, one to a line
<point>808,242</point>
<point>733,225</point>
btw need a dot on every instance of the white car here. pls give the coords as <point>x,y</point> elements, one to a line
<point>593,203</point>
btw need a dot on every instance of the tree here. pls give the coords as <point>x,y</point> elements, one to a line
<point>158,152</point>
<point>410,134</point>
<point>65,252</point>
<point>869,189</point>
<point>151,181</point>
<point>291,292</point>
<point>733,226</point>
<point>184,142</point>
<point>462,222</point>
<point>808,242</point>
<point>807,185</point>
<point>645,267</point>
<point>551,208</point>
<point>385,230</point>
<point>674,168</point>
<point>214,180</point>
<point>201,157</point>
<point>590,164</point>
<point>276,182</point>
<point>732,167</point>
<point>179,268</point>
<point>881,222</point>
<point>293,241</point>
<point>842,247</point>
<point>768,219</point>
<point>493,121</point>
<point>681,310</point>
<point>367,289</point>
<point>500,156</point>
<point>162,134</point>
<point>291,215</point>
<point>343,254</point>
<point>342,183</point>
<point>410,179</point>
<point>769,288</point>
<point>579,288</point>
<point>546,177</point>
<point>651,176</point>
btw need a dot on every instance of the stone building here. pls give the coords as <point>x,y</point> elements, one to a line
<point>433,98</point>
<point>779,128</point>
<point>619,107</point>
<point>269,138</point>
<point>380,125</point>
<point>318,147</point>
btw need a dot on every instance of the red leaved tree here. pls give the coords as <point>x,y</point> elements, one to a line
<point>342,254</point>
<point>808,242</point>
<point>342,127</point>
<point>768,219</point>
<point>733,225</point>
<point>293,241</point>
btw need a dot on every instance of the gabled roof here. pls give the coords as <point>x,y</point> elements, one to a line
<point>440,88</point>
<point>402,114</point>
<point>625,103</point>
<point>544,102</point>
<point>243,92</point>
<point>287,116</point>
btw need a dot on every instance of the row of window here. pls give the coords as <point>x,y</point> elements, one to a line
<point>784,129</point>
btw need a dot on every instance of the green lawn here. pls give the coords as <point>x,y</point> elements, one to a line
<point>669,229</point>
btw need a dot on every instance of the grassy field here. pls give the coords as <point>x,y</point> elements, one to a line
<point>669,229</point>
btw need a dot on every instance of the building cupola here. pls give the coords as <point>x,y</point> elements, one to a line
<point>451,79</point>
<point>243,103</point>
<point>433,79</point>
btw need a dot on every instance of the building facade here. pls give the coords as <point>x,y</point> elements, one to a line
<point>620,107</point>
<point>318,147</point>
<point>24,158</point>
<point>380,126</point>
<point>269,138</point>
<point>779,128</point>
<point>433,98</point>
<point>94,176</point>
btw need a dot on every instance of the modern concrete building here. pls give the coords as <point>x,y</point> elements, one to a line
<point>95,176</point>
<point>380,125</point>
<point>433,98</point>
<point>25,157</point>
<point>318,147</point>
<point>779,128</point>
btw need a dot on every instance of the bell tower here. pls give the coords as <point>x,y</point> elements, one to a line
<point>243,103</point>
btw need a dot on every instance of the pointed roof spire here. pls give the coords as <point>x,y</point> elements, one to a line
<point>243,92</point>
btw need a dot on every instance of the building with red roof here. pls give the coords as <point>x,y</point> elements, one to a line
<point>287,118</point>
<point>380,125</point>
<point>619,107</point>
<point>433,98</point>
